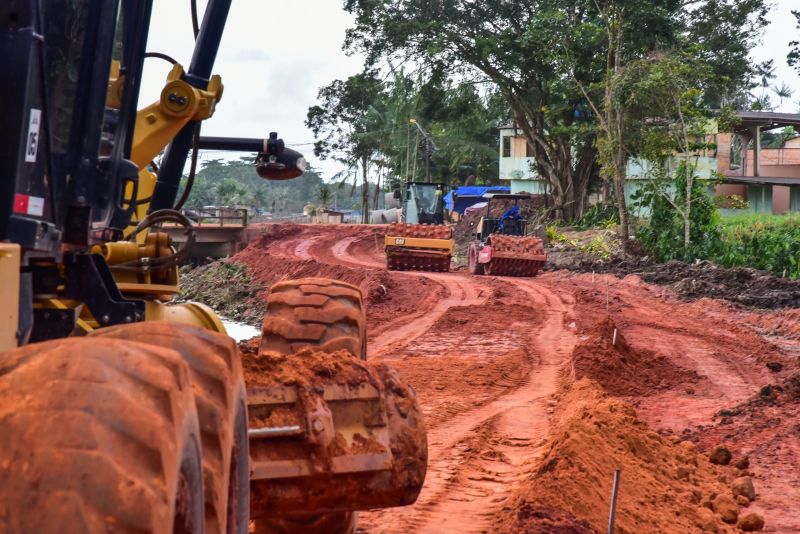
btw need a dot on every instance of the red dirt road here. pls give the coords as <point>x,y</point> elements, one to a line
<point>488,357</point>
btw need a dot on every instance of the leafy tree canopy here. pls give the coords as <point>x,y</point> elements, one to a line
<point>537,52</point>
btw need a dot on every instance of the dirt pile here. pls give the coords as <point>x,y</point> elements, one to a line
<point>226,287</point>
<point>748,287</point>
<point>766,432</point>
<point>666,486</point>
<point>606,357</point>
<point>785,324</point>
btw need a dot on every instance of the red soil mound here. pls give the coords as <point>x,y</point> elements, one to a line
<point>766,430</point>
<point>387,295</point>
<point>665,486</point>
<point>605,356</point>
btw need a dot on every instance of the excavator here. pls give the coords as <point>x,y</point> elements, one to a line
<point>422,241</point>
<point>501,244</point>
<point>121,411</point>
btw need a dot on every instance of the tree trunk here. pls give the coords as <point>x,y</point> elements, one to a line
<point>364,191</point>
<point>561,161</point>
<point>377,193</point>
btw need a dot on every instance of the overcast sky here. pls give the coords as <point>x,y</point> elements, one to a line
<point>276,54</point>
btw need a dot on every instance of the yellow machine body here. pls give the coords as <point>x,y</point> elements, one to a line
<point>444,245</point>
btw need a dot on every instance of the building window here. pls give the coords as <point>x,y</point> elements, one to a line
<point>506,142</point>
<point>736,152</point>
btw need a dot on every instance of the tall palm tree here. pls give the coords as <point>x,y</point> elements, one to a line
<point>783,92</point>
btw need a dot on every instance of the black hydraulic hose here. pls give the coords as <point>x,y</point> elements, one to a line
<point>187,190</point>
<point>195,23</point>
<point>161,55</point>
<point>166,262</point>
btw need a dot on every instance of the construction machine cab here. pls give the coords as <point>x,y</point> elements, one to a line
<point>424,203</point>
<point>510,222</point>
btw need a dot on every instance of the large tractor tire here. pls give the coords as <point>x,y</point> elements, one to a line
<point>323,315</point>
<point>220,396</point>
<point>98,435</point>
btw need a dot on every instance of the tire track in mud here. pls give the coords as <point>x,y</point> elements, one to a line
<point>478,456</point>
<point>460,291</point>
<point>478,453</point>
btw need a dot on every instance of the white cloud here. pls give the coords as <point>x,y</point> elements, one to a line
<point>274,57</point>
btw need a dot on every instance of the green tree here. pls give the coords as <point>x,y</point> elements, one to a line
<point>783,92</point>
<point>535,51</point>
<point>324,196</point>
<point>345,125</point>
<point>669,129</point>
<point>225,183</point>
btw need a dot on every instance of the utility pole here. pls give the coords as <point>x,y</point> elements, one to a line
<point>428,148</point>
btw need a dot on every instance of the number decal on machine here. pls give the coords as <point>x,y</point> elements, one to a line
<point>399,241</point>
<point>33,136</point>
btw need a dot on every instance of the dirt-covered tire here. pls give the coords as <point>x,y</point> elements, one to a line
<point>324,315</point>
<point>219,392</point>
<point>317,313</point>
<point>474,267</point>
<point>98,435</point>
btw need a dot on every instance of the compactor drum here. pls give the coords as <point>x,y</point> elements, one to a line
<point>501,246</point>
<point>422,242</point>
<point>329,432</point>
<point>419,247</point>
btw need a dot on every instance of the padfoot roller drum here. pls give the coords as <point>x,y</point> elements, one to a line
<point>328,431</point>
<point>419,247</point>
<point>508,255</point>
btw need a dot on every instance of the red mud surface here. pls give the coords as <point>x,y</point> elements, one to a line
<point>531,404</point>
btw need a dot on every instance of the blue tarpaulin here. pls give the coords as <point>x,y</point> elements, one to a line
<point>467,196</point>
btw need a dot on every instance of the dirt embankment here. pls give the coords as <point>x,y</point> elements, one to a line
<point>692,281</point>
<point>666,486</point>
<point>487,354</point>
<point>228,288</point>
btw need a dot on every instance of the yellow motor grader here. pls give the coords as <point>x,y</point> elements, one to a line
<point>121,411</point>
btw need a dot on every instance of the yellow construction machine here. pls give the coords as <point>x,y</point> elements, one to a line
<point>121,411</point>
<point>421,242</point>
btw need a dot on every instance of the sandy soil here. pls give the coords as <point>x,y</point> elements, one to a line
<point>495,363</point>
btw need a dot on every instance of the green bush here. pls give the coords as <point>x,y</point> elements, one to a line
<point>601,215</point>
<point>663,234</point>
<point>768,242</point>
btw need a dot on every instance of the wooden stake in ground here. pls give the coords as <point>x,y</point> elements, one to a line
<point>613,512</point>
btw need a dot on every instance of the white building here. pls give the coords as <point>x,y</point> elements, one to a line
<point>517,164</point>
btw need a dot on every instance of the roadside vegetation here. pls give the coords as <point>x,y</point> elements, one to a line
<point>760,241</point>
